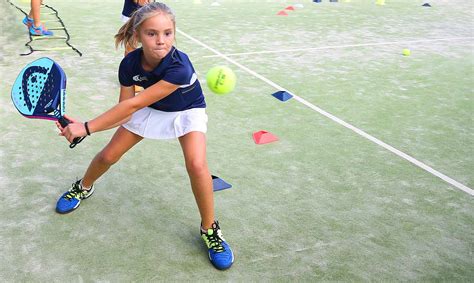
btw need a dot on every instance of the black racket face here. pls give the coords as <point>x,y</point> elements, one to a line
<point>40,90</point>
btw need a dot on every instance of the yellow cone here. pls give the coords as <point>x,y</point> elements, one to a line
<point>380,2</point>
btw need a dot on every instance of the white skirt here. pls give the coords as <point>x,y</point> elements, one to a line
<point>154,124</point>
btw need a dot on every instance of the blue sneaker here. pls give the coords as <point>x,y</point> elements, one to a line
<point>71,199</point>
<point>27,21</point>
<point>220,253</point>
<point>41,30</point>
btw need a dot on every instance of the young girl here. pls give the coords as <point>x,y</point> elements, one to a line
<point>171,106</point>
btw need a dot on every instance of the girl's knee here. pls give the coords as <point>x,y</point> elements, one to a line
<point>108,157</point>
<point>197,167</point>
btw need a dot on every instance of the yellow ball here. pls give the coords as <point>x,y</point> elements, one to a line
<point>406,52</point>
<point>221,79</point>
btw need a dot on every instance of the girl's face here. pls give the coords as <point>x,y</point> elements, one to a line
<point>157,36</point>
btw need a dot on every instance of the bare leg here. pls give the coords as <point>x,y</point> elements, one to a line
<point>194,150</point>
<point>121,142</point>
<point>35,12</point>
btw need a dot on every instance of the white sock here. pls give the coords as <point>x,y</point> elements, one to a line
<point>85,188</point>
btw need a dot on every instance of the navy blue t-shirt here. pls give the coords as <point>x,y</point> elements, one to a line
<point>175,68</point>
<point>129,6</point>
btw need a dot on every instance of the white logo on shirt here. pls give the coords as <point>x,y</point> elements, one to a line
<point>138,78</point>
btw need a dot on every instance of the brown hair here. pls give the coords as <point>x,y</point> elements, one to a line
<point>125,35</point>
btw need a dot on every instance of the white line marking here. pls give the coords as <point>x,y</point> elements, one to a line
<point>338,120</point>
<point>342,46</point>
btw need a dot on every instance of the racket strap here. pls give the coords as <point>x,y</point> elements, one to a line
<point>76,141</point>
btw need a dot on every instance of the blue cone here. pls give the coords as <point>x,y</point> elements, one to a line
<point>219,184</point>
<point>282,95</point>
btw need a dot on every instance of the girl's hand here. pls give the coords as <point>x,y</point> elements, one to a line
<point>67,118</point>
<point>73,130</point>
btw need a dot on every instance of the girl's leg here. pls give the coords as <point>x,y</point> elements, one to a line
<point>120,143</point>
<point>194,150</point>
<point>35,12</point>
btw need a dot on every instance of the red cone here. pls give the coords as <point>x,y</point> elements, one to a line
<point>262,137</point>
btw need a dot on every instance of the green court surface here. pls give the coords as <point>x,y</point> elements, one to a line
<point>327,202</point>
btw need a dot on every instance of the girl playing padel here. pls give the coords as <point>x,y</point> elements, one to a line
<point>171,105</point>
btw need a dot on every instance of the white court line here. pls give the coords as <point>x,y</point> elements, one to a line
<point>341,46</point>
<point>337,120</point>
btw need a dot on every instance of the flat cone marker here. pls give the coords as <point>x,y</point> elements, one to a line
<point>218,184</point>
<point>263,137</point>
<point>426,5</point>
<point>282,13</point>
<point>282,95</point>
<point>290,8</point>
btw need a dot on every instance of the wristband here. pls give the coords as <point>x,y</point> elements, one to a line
<point>87,128</point>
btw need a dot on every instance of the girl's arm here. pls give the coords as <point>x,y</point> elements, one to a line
<point>125,93</point>
<point>121,111</point>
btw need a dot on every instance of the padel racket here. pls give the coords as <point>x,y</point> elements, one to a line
<point>39,92</point>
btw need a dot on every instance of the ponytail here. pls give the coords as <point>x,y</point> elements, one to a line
<point>126,34</point>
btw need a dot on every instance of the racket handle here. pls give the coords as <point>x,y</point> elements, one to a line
<point>64,122</point>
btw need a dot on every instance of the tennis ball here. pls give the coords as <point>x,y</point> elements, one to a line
<point>221,79</point>
<point>406,52</point>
